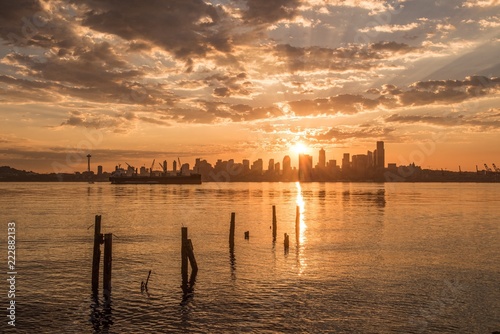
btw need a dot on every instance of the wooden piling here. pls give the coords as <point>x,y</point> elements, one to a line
<point>108,259</point>
<point>274,223</point>
<point>297,223</point>
<point>231,230</point>
<point>286,243</point>
<point>247,235</point>
<point>192,261</point>
<point>97,254</point>
<point>184,258</point>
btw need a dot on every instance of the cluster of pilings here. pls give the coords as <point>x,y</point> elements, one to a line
<point>187,254</point>
<point>107,240</point>
<point>286,242</point>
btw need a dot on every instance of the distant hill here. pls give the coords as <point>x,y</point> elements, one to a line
<point>9,174</point>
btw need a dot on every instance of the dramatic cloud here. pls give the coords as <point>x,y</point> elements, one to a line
<point>483,121</point>
<point>340,135</point>
<point>265,11</point>
<point>137,67</point>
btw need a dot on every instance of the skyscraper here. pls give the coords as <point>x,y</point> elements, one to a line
<point>346,163</point>
<point>322,159</point>
<point>287,165</point>
<point>246,165</point>
<point>380,156</point>
<point>305,167</point>
<point>258,166</point>
<point>270,166</point>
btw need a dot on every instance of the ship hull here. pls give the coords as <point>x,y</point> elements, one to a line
<point>170,179</point>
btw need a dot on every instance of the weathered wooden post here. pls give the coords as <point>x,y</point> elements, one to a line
<point>187,254</point>
<point>192,260</point>
<point>144,286</point>
<point>247,235</point>
<point>297,223</point>
<point>286,243</point>
<point>274,223</point>
<point>184,258</point>
<point>97,254</point>
<point>231,231</point>
<point>108,259</point>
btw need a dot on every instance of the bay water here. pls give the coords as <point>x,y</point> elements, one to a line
<point>369,258</point>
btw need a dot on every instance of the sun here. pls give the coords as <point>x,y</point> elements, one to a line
<point>299,148</point>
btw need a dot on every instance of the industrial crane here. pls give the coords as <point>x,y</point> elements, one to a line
<point>496,168</point>
<point>488,169</point>
<point>151,168</point>
<point>131,168</point>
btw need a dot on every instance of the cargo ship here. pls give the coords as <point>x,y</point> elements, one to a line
<point>131,176</point>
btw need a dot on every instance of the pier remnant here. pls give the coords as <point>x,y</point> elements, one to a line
<point>274,223</point>
<point>287,243</point>
<point>247,235</point>
<point>187,257</point>
<point>144,286</point>
<point>231,231</point>
<point>97,254</point>
<point>107,240</point>
<point>108,259</point>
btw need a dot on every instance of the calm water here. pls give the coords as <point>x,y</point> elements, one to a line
<point>371,258</point>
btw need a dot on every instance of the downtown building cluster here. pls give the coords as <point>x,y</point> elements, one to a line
<point>369,166</point>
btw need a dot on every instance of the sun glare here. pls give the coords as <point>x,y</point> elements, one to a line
<point>298,148</point>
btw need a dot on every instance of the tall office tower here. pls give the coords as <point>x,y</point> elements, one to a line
<point>370,159</point>
<point>246,165</point>
<point>380,155</point>
<point>346,164</point>
<point>287,165</point>
<point>258,166</point>
<point>322,159</point>
<point>270,167</point>
<point>305,167</point>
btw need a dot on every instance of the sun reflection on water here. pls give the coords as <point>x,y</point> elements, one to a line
<point>301,204</point>
<point>301,238</point>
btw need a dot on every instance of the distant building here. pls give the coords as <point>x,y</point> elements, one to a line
<point>277,168</point>
<point>392,167</point>
<point>369,154</point>
<point>185,169</point>
<point>270,166</point>
<point>258,166</point>
<point>332,164</point>
<point>99,170</point>
<point>287,165</point>
<point>360,163</point>
<point>305,167</point>
<point>246,165</point>
<point>346,162</point>
<point>202,167</point>
<point>322,159</point>
<point>380,155</point>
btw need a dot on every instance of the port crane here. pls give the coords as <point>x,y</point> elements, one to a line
<point>151,168</point>
<point>496,168</point>
<point>488,169</point>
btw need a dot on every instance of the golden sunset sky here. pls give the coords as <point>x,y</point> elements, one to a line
<point>132,81</point>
